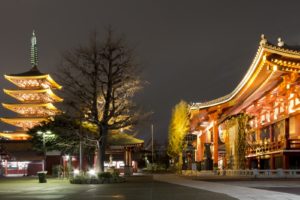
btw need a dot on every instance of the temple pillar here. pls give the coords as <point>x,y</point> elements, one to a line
<point>215,144</point>
<point>130,157</point>
<point>271,131</point>
<point>6,170</point>
<point>272,164</point>
<point>285,161</point>
<point>128,170</point>
<point>126,157</point>
<point>286,134</point>
<point>96,161</point>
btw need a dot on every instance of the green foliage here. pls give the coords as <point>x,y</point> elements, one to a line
<point>82,179</point>
<point>178,128</point>
<point>237,158</point>
<point>65,135</point>
<point>104,175</point>
<point>115,174</point>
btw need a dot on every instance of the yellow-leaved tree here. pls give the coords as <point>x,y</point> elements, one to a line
<point>178,128</point>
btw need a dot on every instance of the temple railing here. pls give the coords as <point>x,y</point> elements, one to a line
<point>251,173</point>
<point>263,173</point>
<point>260,148</point>
<point>266,147</point>
<point>294,143</point>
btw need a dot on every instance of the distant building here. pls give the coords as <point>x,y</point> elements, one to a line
<point>36,104</point>
<point>268,98</point>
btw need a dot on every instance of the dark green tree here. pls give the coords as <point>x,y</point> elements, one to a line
<point>66,133</point>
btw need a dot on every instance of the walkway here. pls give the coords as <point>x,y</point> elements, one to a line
<point>136,188</point>
<point>243,193</point>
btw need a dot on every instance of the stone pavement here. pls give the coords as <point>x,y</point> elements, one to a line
<point>239,192</point>
<point>136,188</point>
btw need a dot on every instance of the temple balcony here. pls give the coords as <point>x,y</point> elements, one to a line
<point>265,147</point>
<point>268,147</point>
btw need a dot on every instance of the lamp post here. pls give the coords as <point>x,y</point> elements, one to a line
<point>152,141</point>
<point>44,145</point>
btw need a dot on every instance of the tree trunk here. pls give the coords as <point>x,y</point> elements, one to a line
<point>180,162</point>
<point>102,148</point>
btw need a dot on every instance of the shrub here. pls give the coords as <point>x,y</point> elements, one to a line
<point>104,175</point>
<point>115,174</point>
<point>80,179</point>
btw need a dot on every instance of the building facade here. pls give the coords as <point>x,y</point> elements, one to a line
<point>257,125</point>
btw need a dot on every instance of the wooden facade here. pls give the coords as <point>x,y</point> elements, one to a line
<point>259,120</point>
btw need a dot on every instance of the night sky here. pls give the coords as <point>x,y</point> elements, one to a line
<point>190,50</point>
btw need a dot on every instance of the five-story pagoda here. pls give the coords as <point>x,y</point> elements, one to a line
<point>35,97</point>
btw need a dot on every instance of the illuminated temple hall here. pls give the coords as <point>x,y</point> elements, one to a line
<point>257,125</point>
<point>35,101</point>
<point>34,95</point>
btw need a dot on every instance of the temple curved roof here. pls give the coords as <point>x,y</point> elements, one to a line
<point>259,75</point>
<point>123,139</point>
<point>34,71</point>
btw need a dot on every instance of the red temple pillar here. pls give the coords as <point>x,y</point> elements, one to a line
<point>215,144</point>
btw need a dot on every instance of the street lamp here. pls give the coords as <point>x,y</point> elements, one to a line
<point>44,145</point>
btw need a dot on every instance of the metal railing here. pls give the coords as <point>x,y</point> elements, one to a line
<point>251,173</point>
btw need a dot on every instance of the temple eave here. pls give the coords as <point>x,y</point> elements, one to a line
<point>263,59</point>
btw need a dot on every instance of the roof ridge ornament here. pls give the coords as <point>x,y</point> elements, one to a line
<point>280,42</point>
<point>263,40</point>
<point>33,51</point>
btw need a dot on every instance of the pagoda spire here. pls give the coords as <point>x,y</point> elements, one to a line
<point>33,51</point>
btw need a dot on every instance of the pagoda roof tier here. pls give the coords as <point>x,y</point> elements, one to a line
<point>24,123</point>
<point>33,79</point>
<point>34,96</point>
<point>34,71</point>
<point>44,110</point>
<point>15,135</point>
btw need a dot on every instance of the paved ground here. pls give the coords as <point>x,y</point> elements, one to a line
<point>287,186</point>
<point>274,184</point>
<point>244,190</point>
<point>136,188</point>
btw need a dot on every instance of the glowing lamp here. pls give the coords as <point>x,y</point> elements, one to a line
<point>76,172</point>
<point>92,172</point>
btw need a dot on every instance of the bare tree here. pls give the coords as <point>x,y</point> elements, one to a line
<point>99,81</point>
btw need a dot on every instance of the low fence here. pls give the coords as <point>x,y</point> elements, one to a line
<point>253,173</point>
